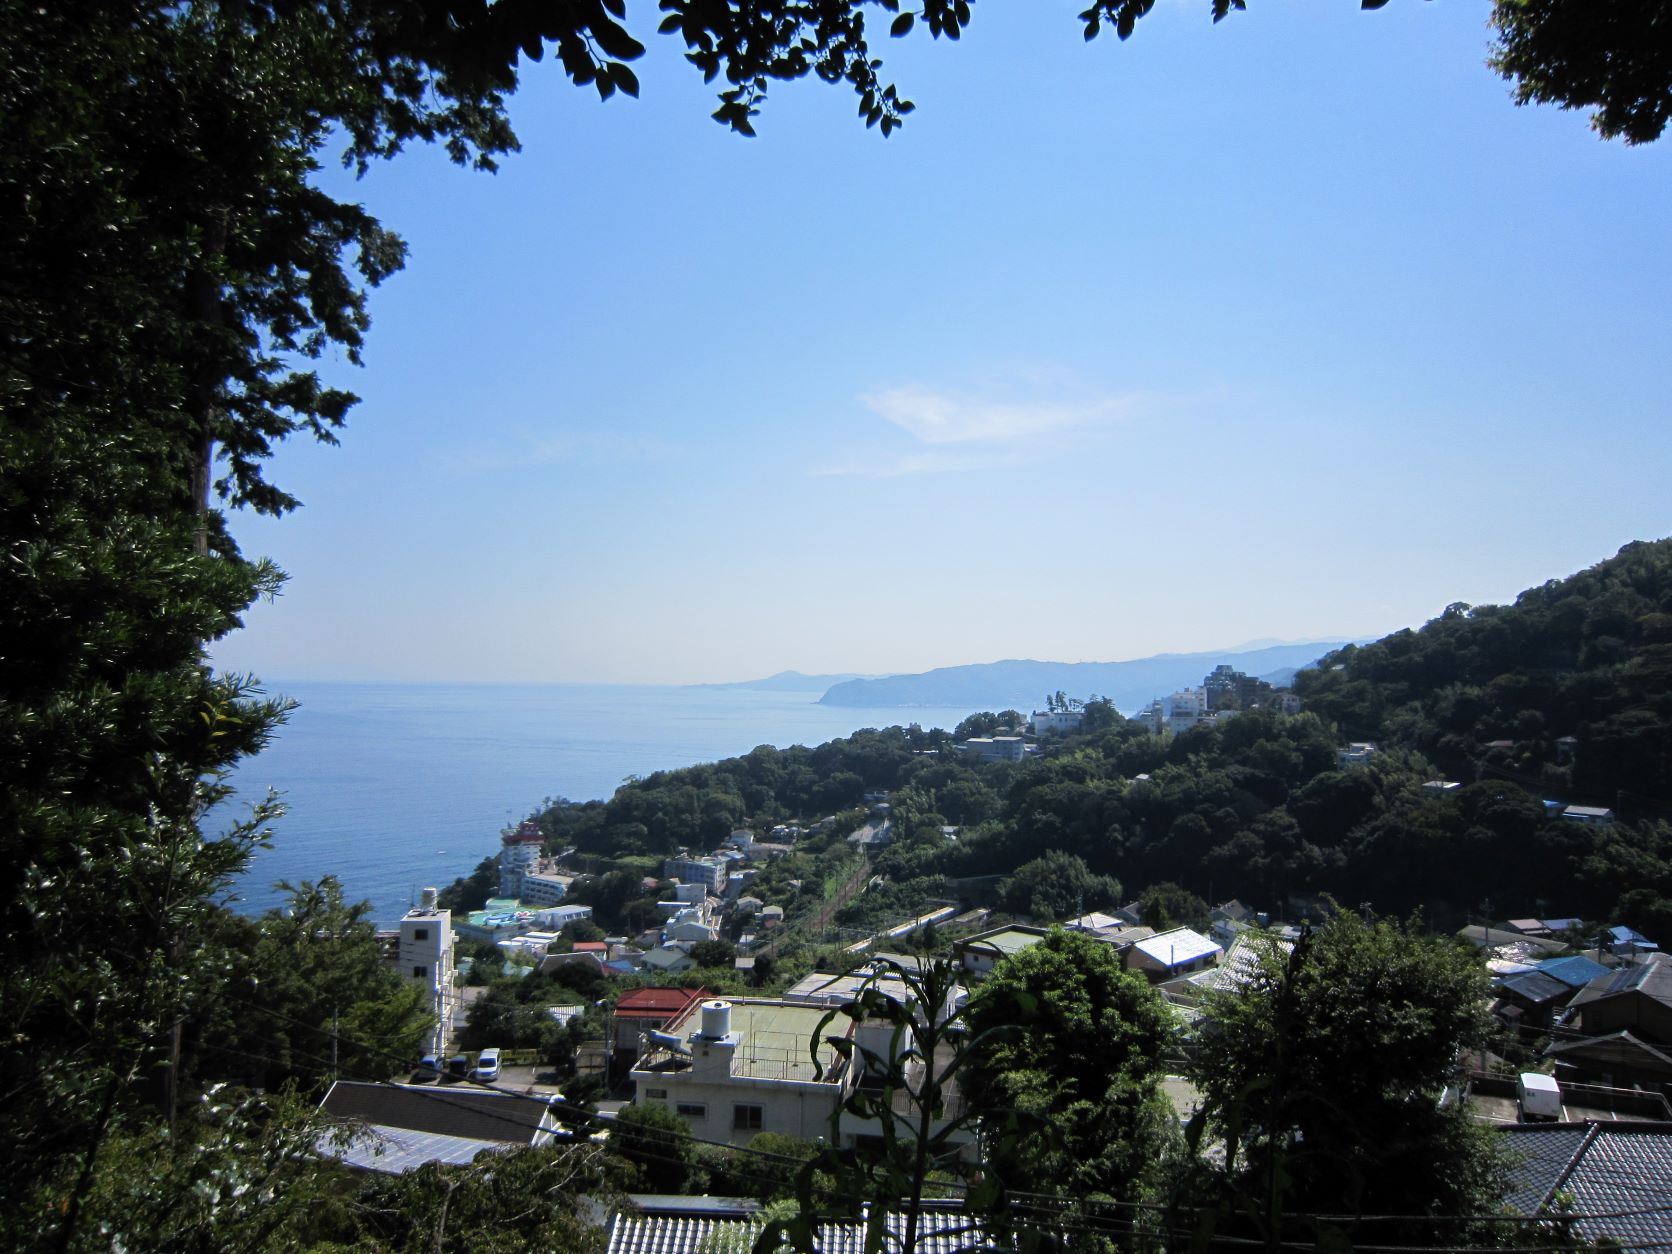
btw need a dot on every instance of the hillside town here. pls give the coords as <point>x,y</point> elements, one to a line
<point>1575,1076</point>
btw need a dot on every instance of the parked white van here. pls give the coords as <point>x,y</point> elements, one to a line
<point>1541,1096</point>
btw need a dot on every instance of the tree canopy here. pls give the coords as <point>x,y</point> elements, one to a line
<point>1081,1055</point>
<point>1322,1068</point>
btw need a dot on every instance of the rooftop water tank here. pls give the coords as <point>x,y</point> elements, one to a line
<point>428,897</point>
<point>716,1020</point>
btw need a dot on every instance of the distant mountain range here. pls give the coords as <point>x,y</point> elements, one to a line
<point>788,681</point>
<point>1023,685</point>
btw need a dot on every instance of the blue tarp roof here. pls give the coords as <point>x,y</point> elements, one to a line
<point>1631,936</point>
<point>1575,972</point>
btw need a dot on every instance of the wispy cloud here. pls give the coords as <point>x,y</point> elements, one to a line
<point>930,462</point>
<point>1016,422</point>
<point>947,418</point>
<point>591,448</point>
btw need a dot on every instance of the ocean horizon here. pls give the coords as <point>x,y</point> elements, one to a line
<point>393,787</point>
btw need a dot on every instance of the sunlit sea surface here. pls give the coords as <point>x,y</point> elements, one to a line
<point>391,787</point>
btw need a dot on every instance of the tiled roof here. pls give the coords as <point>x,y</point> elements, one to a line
<point>656,1003</point>
<point>941,1232</point>
<point>1620,1174</point>
<point>1620,1048</point>
<point>1543,1155</point>
<point>1625,1171</point>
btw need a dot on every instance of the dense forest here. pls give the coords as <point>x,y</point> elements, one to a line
<point>1564,696</point>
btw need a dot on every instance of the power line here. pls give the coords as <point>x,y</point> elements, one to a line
<point>1039,1206</point>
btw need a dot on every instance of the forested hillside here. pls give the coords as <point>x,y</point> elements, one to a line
<point>1564,696</point>
<point>1588,657</point>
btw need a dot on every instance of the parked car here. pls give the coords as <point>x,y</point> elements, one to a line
<point>458,1067</point>
<point>428,1071</point>
<point>487,1065</point>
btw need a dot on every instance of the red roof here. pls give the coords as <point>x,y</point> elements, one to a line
<point>591,947</point>
<point>657,1003</point>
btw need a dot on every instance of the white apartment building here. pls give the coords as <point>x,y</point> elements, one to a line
<point>424,957</point>
<point>709,872</point>
<point>519,853</point>
<point>543,886</point>
<point>1048,722</point>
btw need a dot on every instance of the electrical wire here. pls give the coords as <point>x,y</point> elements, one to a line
<point>1039,1206</point>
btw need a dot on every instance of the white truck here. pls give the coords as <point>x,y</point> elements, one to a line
<point>1541,1097</point>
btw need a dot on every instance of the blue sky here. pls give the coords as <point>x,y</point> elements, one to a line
<point>1289,327</point>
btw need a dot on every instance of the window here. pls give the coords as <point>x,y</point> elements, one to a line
<point>746,1118</point>
<point>692,1110</point>
<point>419,973</point>
<point>420,933</point>
<point>658,1095</point>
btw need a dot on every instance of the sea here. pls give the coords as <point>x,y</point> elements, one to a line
<point>395,787</point>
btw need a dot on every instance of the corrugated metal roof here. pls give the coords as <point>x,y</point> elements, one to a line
<point>1652,979</point>
<point>1536,987</point>
<point>1179,946</point>
<point>464,1113</point>
<point>939,1232</point>
<point>395,1151</point>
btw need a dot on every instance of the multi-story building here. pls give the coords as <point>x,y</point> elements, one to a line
<point>732,1069</point>
<point>543,885</point>
<point>996,748</point>
<point>1055,722</point>
<point>519,853</point>
<point>709,872</point>
<point>424,957</point>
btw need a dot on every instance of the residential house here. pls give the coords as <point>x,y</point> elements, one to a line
<point>979,954</point>
<point>642,1010</point>
<point>1628,940</point>
<point>1532,997</point>
<point>667,960</point>
<point>1355,754</point>
<point>1597,816</point>
<point>556,918</point>
<point>1617,1060</point>
<point>1575,971</point>
<point>742,1067</point>
<point>395,1128</point>
<point>940,1230</point>
<point>1168,955</point>
<point>1636,998</point>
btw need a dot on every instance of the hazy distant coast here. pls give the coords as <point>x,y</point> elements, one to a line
<point>789,681</point>
<point>1023,684</point>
